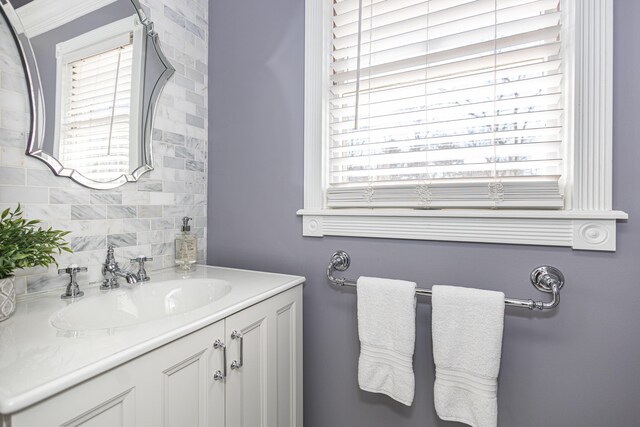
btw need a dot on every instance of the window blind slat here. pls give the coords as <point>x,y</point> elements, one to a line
<point>86,91</point>
<point>453,69</point>
<point>92,110</point>
<point>460,126</point>
<point>102,78</point>
<point>96,123</point>
<point>78,140</point>
<point>388,12</point>
<point>520,76</point>
<point>476,27</point>
<point>436,12</point>
<point>532,135</point>
<point>108,64</point>
<point>451,108</point>
<point>419,22</point>
<point>416,54</point>
<point>417,171</point>
<point>531,151</point>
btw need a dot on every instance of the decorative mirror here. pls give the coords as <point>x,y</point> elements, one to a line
<point>95,71</point>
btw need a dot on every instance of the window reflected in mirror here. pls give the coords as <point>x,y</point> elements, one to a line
<point>99,76</point>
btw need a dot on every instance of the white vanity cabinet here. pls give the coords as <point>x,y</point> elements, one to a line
<point>175,385</point>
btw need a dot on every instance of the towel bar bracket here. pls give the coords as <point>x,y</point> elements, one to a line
<point>340,260</point>
<point>546,279</point>
<point>543,278</point>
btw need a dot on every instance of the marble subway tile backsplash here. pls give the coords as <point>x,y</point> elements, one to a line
<point>88,212</point>
<point>125,211</point>
<point>139,218</point>
<point>63,196</point>
<point>87,243</point>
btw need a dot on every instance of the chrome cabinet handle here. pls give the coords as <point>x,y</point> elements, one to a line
<point>235,335</point>
<point>221,375</point>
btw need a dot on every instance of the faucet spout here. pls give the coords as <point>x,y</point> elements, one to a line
<point>129,277</point>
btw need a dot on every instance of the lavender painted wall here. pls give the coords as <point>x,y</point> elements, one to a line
<point>577,366</point>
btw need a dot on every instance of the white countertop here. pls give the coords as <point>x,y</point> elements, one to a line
<point>38,360</point>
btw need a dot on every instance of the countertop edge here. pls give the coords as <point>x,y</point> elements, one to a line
<point>13,404</point>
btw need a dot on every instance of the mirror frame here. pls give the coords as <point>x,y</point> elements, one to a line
<point>37,110</point>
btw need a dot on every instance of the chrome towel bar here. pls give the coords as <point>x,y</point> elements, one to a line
<point>545,279</point>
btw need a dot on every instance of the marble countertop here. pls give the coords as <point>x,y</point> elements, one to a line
<point>37,360</point>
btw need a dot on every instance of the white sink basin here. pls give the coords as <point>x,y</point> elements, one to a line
<point>130,306</point>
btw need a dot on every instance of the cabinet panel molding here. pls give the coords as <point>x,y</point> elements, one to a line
<point>118,411</point>
<point>185,388</point>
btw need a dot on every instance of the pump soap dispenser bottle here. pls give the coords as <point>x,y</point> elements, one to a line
<point>186,246</point>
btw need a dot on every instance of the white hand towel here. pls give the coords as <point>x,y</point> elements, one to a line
<point>467,329</point>
<point>387,332</point>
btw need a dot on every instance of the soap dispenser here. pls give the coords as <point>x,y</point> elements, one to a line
<point>186,246</point>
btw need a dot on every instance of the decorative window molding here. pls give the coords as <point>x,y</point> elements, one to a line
<point>587,222</point>
<point>40,16</point>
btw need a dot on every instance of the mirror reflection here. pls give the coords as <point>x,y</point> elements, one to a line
<point>97,71</point>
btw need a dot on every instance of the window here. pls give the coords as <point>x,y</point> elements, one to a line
<point>460,120</point>
<point>99,75</point>
<point>445,104</point>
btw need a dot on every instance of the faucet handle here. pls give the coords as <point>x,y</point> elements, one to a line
<point>142,273</point>
<point>72,269</point>
<point>73,290</point>
<point>110,259</point>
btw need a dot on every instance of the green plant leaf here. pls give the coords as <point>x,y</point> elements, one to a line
<point>29,246</point>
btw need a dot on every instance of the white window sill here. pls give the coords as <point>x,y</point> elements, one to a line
<point>586,230</point>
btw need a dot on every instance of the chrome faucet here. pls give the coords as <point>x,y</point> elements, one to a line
<point>111,271</point>
<point>73,290</point>
<point>142,272</point>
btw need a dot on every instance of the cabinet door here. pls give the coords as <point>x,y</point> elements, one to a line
<point>182,389</point>
<point>108,400</point>
<point>249,396</point>
<point>266,390</point>
<point>288,342</point>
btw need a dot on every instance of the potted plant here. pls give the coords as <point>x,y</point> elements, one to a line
<point>24,244</point>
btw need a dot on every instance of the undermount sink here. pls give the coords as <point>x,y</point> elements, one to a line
<point>123,307</point>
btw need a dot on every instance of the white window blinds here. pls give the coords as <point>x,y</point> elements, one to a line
<point>95,131</point>
<point>446,103</point>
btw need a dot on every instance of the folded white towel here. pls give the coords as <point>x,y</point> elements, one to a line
<point>387,332</point>
<point>467,329</point>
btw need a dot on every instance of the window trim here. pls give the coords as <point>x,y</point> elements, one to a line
<point>588,221</point>
<point>40,16</point>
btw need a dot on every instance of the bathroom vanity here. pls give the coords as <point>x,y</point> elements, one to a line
<point>216,347</point>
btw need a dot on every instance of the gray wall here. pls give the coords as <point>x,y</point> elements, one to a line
<point>577,366</point>
<point>19,3</point>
